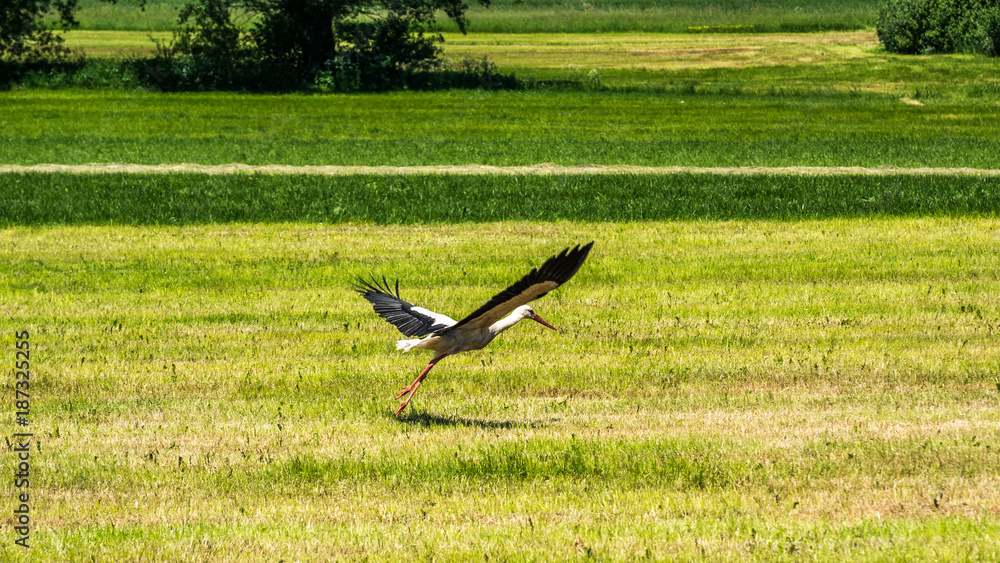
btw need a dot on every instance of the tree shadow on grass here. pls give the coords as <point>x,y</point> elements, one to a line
<point>427,420</point>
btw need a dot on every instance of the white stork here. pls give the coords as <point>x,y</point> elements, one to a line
<point>446,336</point>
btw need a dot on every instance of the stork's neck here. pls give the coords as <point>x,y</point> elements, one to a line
<point>506,322</point>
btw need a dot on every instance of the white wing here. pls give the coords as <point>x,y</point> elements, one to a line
<point>410,319</point>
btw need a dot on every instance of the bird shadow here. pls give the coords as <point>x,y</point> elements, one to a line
<point>428,420</point>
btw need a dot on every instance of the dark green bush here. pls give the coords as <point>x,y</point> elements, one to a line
<point>986,35</point>
<point>940,26</point>
<point>185,73</point>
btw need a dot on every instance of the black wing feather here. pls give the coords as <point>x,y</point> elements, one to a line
<point>403,314</point>
<point>558,270</point>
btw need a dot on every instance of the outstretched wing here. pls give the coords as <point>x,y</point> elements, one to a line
<point>553,273</point>
<point>410,319</point>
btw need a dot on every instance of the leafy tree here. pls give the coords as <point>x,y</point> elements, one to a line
<point>366,44</point>
<point>23,33</point>
<point>940,26</point>
<point>310,32</point>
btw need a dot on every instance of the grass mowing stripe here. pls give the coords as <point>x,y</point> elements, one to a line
<point>544,169</point>
<point>705,462</point>
<point>33,199</point>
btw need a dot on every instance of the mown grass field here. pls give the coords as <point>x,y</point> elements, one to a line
<point>727,389</point>
<point>496,128</point>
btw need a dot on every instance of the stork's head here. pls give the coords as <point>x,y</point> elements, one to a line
<point>528,313</point>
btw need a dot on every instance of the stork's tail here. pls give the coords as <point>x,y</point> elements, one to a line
<point>407,345</point>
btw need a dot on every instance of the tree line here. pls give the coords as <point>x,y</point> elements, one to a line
<point>281,44</point>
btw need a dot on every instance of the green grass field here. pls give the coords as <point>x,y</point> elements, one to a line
<point>731,390</point>
<point>497,128</point>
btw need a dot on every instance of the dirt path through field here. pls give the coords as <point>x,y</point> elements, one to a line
<point>473,169</point>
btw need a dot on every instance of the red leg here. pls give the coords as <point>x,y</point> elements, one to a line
<point>412,388</point>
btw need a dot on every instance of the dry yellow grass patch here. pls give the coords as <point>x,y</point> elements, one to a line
<point>114,43</point>
<point>660,51</point>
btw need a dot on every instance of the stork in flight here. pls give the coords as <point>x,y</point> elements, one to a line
<point>446,336</point>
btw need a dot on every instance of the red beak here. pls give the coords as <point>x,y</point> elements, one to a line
<point>541,320</point>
